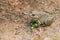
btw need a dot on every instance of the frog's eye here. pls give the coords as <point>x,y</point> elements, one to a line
<point>33,14</point>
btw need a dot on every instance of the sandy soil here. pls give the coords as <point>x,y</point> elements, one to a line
<point>14,19</point>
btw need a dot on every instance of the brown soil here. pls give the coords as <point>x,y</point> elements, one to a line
<point>14,19</point>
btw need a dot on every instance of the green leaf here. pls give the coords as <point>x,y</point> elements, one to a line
<point>34,25</point>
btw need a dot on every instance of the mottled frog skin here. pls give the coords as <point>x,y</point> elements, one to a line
<point>43,17</point>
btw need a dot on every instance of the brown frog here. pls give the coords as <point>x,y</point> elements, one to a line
<point>45,19</point>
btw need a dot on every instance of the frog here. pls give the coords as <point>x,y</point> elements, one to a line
<point>43,18</point>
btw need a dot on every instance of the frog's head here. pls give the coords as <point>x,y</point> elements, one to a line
<point>34,15</point>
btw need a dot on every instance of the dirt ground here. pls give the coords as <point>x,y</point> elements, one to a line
<point>14,19</point>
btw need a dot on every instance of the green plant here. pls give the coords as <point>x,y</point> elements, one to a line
<point>34,24</point>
